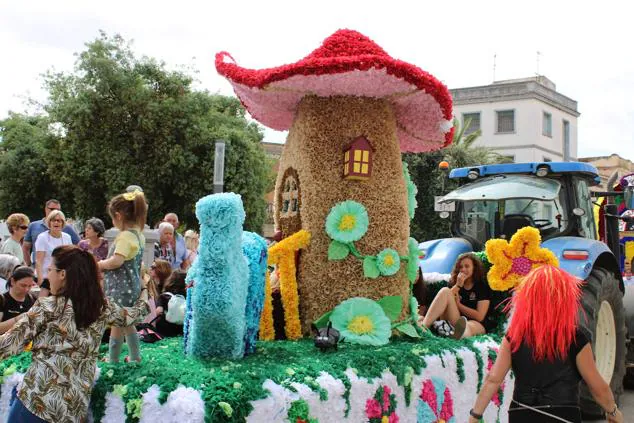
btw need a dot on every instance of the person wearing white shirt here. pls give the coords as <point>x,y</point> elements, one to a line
<point>45,243</point>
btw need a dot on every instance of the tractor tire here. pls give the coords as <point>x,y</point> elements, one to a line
<point>603,316</point>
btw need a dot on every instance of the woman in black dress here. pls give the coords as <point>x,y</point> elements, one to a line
<point>549,354</point>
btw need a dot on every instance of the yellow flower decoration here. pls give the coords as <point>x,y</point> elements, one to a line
<point>130,196</point>
<point>267,331</point>
<point>283,254</point>
<point>513,261</point>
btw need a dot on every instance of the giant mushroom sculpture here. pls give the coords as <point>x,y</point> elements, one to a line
<point>350,109</point>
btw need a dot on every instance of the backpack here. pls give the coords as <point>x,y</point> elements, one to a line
<point>147,332</point>
<point>175,309</point>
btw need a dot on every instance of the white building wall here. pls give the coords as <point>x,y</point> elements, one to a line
<point>527,143</point>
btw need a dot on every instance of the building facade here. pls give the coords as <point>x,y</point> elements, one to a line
<point>607,166</point>
<point>524,119</point>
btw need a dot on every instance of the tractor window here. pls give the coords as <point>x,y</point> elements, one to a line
<point>477,218</point>
<point>584,201</point>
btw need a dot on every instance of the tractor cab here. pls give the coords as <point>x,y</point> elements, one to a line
<point>496,201</point>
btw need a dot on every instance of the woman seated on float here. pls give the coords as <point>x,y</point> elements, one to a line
<point>465,303</point>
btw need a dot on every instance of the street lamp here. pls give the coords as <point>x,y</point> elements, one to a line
<point>219,166</point>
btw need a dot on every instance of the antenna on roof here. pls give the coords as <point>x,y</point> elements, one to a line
<point>538,54</point>
<point>494,59</point>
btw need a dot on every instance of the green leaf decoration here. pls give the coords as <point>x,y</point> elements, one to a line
<point>370,269</point>
<point>412,269</point>
<point>337,250</point>
<point>392,306</point>
<point>322,322</point>
<point>408,329</point>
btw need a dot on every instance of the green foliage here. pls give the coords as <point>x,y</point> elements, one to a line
<point>126,120</point>
<point>424,172</point>
<point>462,152</point>
<point>25,183</point>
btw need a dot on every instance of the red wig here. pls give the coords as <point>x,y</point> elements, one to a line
<point>545,312</point>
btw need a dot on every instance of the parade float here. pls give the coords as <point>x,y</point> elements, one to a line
<point>346,264</point>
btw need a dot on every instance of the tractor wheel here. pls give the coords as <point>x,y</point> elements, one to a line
<point>604,317</point>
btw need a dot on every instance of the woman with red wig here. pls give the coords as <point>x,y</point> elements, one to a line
<point>550,353</point>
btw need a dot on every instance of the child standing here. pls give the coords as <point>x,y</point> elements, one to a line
<point>122,268</point>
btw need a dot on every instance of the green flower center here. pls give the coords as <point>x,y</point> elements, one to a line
<point>360,325</point>
<point>347,222</point>
<point>388,260</point>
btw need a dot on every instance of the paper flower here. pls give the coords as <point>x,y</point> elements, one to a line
<point>382,407</point>
<point>388,262</point>
<point>347,222</point>
<point>435,404</point>
<point>361,321</point>
<point>513,261</point>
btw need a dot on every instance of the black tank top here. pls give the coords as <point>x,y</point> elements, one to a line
<point>548,382</point>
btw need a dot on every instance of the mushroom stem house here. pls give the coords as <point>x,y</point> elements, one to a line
<point>351,110</point>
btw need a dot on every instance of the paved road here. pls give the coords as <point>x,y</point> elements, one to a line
<point>627,406</point>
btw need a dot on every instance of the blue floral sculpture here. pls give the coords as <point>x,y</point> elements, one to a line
<point>254,249</point>
<point>215,319</point>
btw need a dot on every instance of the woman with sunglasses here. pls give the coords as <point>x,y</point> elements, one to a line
<point>17,224</point>
<point>66,330</point>
<point>46,242</point>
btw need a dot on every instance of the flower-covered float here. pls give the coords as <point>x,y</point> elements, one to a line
<point>346,264</point>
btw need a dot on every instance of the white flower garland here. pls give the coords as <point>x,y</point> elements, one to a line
<point>186,404</point>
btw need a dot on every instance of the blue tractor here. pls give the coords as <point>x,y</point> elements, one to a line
<point>495,201</point>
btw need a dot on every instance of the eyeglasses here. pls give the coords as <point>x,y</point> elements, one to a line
<point>57,220</point>
<point>23,227</point>
<point>50,269</point>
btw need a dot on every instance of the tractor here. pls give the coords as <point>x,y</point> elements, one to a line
<point>495,201</point>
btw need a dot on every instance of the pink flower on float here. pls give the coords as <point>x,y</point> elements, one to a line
<point>393,418</point>
<point>373,409</point>
<point>446,411</point>
<point>386,398</point>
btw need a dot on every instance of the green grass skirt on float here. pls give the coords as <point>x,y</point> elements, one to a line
<point>421,380</point>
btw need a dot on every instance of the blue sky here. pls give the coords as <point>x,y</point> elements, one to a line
<point>584,47</point>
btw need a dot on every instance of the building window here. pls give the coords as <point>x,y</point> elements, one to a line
<point>471,122</point>
<point>547,125</point>
<point>505,121</point>
<point>566,137</point>
<point>509,158</point>
<point>546,159</point>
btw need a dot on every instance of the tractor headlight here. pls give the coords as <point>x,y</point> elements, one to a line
<point>542,171</point>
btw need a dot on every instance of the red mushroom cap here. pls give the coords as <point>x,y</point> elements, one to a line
<point>348,63</point>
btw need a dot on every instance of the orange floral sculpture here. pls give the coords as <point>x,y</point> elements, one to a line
<point>283,254</point>
<point>513,261</point>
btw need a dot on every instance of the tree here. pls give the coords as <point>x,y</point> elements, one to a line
<point>462,151</point>
<point>423,168</point>
<point>24,181</point>
<point>128,120</point>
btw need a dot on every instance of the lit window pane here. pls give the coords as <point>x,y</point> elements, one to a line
<point>357,155</point>
<point>366,156</point>
<point>364,168</point>
<point>345,169</point>
<point>357,167</point>
<point>347,156</point>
